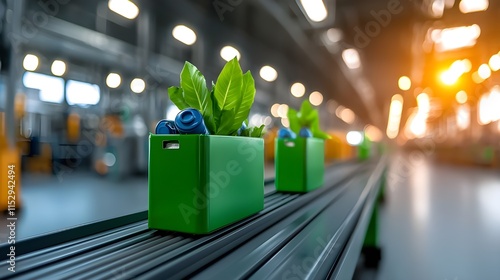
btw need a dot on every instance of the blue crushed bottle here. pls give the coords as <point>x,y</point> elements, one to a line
<point>190,121</point>
<point>240,130</point>
<point>305,132</point>
<point>166,127</point>
<point>286,133</point>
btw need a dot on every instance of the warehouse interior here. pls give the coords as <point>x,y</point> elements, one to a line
<point>407,91</point>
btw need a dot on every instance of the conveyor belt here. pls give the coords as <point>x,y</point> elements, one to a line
<point>309,231</point>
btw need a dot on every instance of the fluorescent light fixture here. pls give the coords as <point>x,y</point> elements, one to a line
<point>316,98</point>
<point>285,122</point>
<point>461,97</point>
<point>51,88</point>
<point>456,37</point>
<point>484,71</point>
<point>268,73</point>
<point>495,62</point>
<point>484,110</point>
<point>494,101</point>
<point>404,83</point>
<point>418,124</point>
<point>334,35</point>
<point>80,93</point>
<point>184,34</point>
<point>437,8</point>
<point>113,80</point>
<point>395,111</point>
<point>274,110</point>
<point>471,6</point>
<point>228,52</point>
<point>476,78</point>
<point>282,110</point>
<point>298,90</point>
<point>373,133</point>
<point>30,62</point>
<point>315,9</point>
<point>58,68</point>
<point>351,58</point>
<point>124,8</point>
<point>354,138</point>
<point>348,116</point>
<point>463,117</point>
<point>138,85</point>
<point>424,104</point>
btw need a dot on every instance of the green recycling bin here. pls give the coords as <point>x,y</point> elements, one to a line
<point>200,183</point>
<point>300,164</point>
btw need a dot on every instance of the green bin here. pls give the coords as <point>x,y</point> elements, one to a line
<point>300,164</point>
<point>200,183</point>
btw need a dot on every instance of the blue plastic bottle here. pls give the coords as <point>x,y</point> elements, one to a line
<point>166,127</point>
<point>305,132</point>
<point>286,133</point>
<point>240,130</point>
<point>190,121</point>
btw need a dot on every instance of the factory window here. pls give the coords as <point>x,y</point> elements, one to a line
<point>82,94</point>
<point>51,88</point>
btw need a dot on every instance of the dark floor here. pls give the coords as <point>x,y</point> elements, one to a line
<point>439,222</point>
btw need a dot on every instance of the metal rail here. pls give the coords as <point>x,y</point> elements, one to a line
<point>310,231</point>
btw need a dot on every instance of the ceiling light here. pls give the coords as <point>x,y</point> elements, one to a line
<point>351,58</point>
<point>274,110</point>
<point>495,62</point>
<point>298,90</point>
<point>125,8</point>
<point>484,71</point>
<point>138,85</point>
<point>113,80</point>
<point>315,9</point>
<point>283,110</point>
<point>334,35</point>
<point>404,83</point>
<point>268,73</point>
<point>58,68</point>
<point>395,112</point>
<point>184,34</point>
<point>316,98</point>
<point>228,52</point>
<point>30,62</point>
<point>470,6</point>
<point>461,97</point>
<point>354,138</point>
<point>456,37</point>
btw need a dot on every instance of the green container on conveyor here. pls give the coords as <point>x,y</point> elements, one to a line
<point>200,183</point>
<point>300,164</point>
<point>364,149</point>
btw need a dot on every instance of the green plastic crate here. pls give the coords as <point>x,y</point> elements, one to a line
<point>200,183</point>
<point>299,164</point>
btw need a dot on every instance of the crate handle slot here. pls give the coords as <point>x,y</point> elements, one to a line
<point>290,144</point>
<point>171,145</point>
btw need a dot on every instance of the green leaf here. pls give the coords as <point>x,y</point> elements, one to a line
<point>229,83</point>
<point>226,122</point>
<point>210,112</point>
<point>307,117</point>
<point>258,131</point>
<point>294,120</point>
<point>247,96</point>
<point>176,95</point>
<point>253,131</point>
<point>195,87</point>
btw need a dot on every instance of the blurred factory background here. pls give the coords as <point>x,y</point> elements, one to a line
<point>83,83</point>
